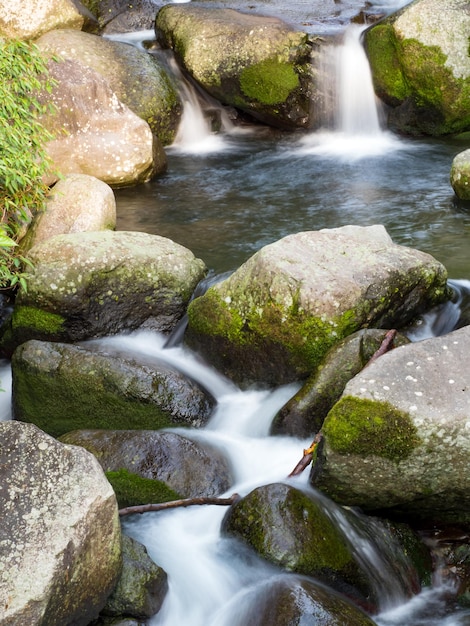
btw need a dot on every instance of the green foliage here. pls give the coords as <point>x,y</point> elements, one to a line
<point>23,159</point>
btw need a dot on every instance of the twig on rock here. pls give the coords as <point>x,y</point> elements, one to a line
<point>174,504</point>
<point>307,457</point>
<point>385,346</point>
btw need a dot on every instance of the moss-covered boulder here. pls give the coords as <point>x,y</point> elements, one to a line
<point>303,414</point>
<point>294,600</point>
<point>421,67</point>
<point>460,175</point>
<point>277,316</point>
<point>291,529</point>
<point>142,586</point>
<point>397,440</point>
<point>137,78</point>
<point>257,64</point>
<point>62,387</point>
<point>189,468</point>
<point>93,284</point>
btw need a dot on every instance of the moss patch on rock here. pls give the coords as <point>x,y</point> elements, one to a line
<point>133,490</point>
<point>370,428</point>
<point>38,321</point>
<point>269,82</point>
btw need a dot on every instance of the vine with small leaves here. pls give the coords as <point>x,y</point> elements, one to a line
<point>23,157</point>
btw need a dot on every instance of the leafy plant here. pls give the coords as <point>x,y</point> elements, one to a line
<point>23,158</point>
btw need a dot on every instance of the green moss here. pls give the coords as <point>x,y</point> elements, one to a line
<point>37,320</point>
<point>386,69</point>
<point>133,490</point>
<point>81,402</point>
<point>269,82</point>
<point>370,428</point>
<point>305,338</point>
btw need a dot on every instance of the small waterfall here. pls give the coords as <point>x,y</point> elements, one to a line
<point>350,112</point>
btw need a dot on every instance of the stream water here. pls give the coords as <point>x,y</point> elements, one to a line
<point>225,196</point>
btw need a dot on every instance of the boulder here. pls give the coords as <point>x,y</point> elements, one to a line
<point>60,547</point>
<point>99,135</point>
<point>62,387</point>
<point>94,284</point>
<point>282,600</point>
<point>301,532</point>
<point>137,78</point>
<point>460,175</point>
<point>257,64</point>
<point>190,468</point>
<point>29,19</point>
<point>77,203</point>
<point>142,586</point>
<point>421,67</point>
<point>398,439</point>
<point>276,317</point>
<point>303,414</point>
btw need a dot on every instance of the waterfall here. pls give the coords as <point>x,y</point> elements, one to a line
<point>350,111</point>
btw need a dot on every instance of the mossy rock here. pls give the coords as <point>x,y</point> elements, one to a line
<point>292,530</point>
<point>421,67</point>
<point>133,490</point>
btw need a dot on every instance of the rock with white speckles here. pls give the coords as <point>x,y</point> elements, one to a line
<point>60,539</point>
<point>93,284</point>
<point>77,203</point>
<point>277,316</point>
<point>138,79</point>
<point>399,438</point>
<point>260,65</point>
<point>94,132</point>
<point>28,19</point>
<point>421,67</point>
<point>460,175</point>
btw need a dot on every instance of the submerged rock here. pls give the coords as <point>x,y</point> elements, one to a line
<point>260,65</point>
<point>398,439</point>
<point>303,415</point>
<point>277,316</point>
<point>190,468</point>
<point>94,284</point>
<point>62,387</point>
<point>60,548</point>
<point>294,600</point>
<point>421,67</point>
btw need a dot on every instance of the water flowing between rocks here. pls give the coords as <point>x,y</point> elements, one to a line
<point>252,186</point>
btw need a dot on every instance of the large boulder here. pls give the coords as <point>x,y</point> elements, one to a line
<point>29,19</point>
<point>62,387</point>
<point>275,318</point>
<point>398,440</point>
<point>460,175</point>
<point>137,78</point>
<point>190,468</point>
<point>93,284</point>
<point>77,203</point>
<point>258,64</point>
<point>60,547</point>
<point>94,132</point>
<point>421,67</point>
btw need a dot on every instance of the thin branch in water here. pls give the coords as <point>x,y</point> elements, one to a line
<point>174,504</point>
<point>307,457</point>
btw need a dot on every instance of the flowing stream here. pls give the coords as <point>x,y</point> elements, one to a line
<point>224,199</point>
<point>224,196</point>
